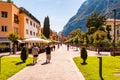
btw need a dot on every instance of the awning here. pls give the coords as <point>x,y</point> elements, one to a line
<point>4,40</point>
<point>20,41</point>
<point>39,40</point>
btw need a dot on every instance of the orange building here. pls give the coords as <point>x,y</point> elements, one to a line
<point>18,20</point>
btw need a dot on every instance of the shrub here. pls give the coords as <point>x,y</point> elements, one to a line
<point>84,54</point>
<point>24,54</point>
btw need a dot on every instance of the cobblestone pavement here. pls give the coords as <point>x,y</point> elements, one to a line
<point>61,67</point>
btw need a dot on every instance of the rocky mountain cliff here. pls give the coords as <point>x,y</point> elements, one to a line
<point>86,9</point>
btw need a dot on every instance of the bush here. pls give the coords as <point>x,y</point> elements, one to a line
<point>24,54</point>
<point>84,54</point>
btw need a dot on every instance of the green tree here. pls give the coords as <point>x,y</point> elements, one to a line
<point>96,20</point>
<point>24,54</point>
<point>84,55</point>
<point>46,27</point>
<point>13,37</point>
<point>76,32</point>
<point>76,36</point>
<point>108,29</point>
<point>43,37</point>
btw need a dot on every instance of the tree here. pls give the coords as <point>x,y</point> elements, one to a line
<point>96,20</point>
<point>24,54</point>
<point>13,37</point>
<point>108,29</point>
<point>84,54</point>
<point>76,36</point>
<point>76,32</point>
<point>43,37</point>
<point>46,27</point>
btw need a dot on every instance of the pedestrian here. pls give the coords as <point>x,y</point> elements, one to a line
<point>68,47</point>
<point>48,54</point>
<point>35,52</point>
<point>54,47</point>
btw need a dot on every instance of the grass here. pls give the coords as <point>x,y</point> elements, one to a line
<point>11,65</point>
<point>110,66</point>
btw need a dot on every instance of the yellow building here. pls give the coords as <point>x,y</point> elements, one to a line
<point>18,20</point>
<point>117,27</point>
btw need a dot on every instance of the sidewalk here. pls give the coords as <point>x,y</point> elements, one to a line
<point>61,67</point>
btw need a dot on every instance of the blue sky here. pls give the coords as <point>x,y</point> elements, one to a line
<point>59,11</point>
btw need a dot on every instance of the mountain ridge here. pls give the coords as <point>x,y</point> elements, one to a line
<point>86,9</point>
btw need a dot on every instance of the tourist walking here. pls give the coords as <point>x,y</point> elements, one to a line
<point>48,54</point>
<point>67,47</point>
<point>35,52</point>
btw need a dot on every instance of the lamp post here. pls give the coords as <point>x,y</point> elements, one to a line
<point>114,41</point>
<point>100,66</point>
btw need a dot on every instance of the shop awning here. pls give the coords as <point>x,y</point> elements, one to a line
<point>4,40</point>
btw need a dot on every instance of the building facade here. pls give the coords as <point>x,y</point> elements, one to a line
<point>115,28</point>
<point>18,20</point>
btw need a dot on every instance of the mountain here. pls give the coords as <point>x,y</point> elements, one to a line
<point>86,9</point>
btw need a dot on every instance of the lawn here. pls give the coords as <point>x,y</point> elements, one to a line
<point>110,68</point>
<point>11,65</point>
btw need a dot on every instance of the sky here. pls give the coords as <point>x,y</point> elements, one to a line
<point>59,11</point>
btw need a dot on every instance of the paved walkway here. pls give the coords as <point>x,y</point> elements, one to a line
<point>61,67</point>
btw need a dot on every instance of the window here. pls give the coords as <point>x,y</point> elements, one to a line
<point>26,31</point>
<point>34,24</point>
<point>15,18</point>
<point>31,23</point>
<point>16,30</point>
<point>30,32</point>
<point>4,14</point>
<point>4,28</point>
<point>27,21</point>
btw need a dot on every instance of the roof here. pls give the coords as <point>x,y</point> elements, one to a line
<point>23,10</point>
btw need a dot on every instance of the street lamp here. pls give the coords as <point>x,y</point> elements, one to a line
<point>114,41</point>
<point>100,66</point>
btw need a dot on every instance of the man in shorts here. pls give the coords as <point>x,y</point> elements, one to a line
<point>35,52</point>
<point>48,54</point>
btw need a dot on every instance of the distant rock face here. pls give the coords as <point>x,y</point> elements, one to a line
<point>86,9</point>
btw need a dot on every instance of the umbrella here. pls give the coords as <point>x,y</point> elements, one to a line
<point>39,40</point>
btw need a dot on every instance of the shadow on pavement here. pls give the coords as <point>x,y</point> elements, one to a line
<point>31,64</point>
<point>44,63</point>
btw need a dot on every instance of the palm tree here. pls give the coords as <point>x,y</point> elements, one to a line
<point>13,37</point>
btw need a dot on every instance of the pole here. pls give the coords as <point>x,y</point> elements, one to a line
<point>114,41</point>
<point>114,27</point>
<point>100,67</point>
